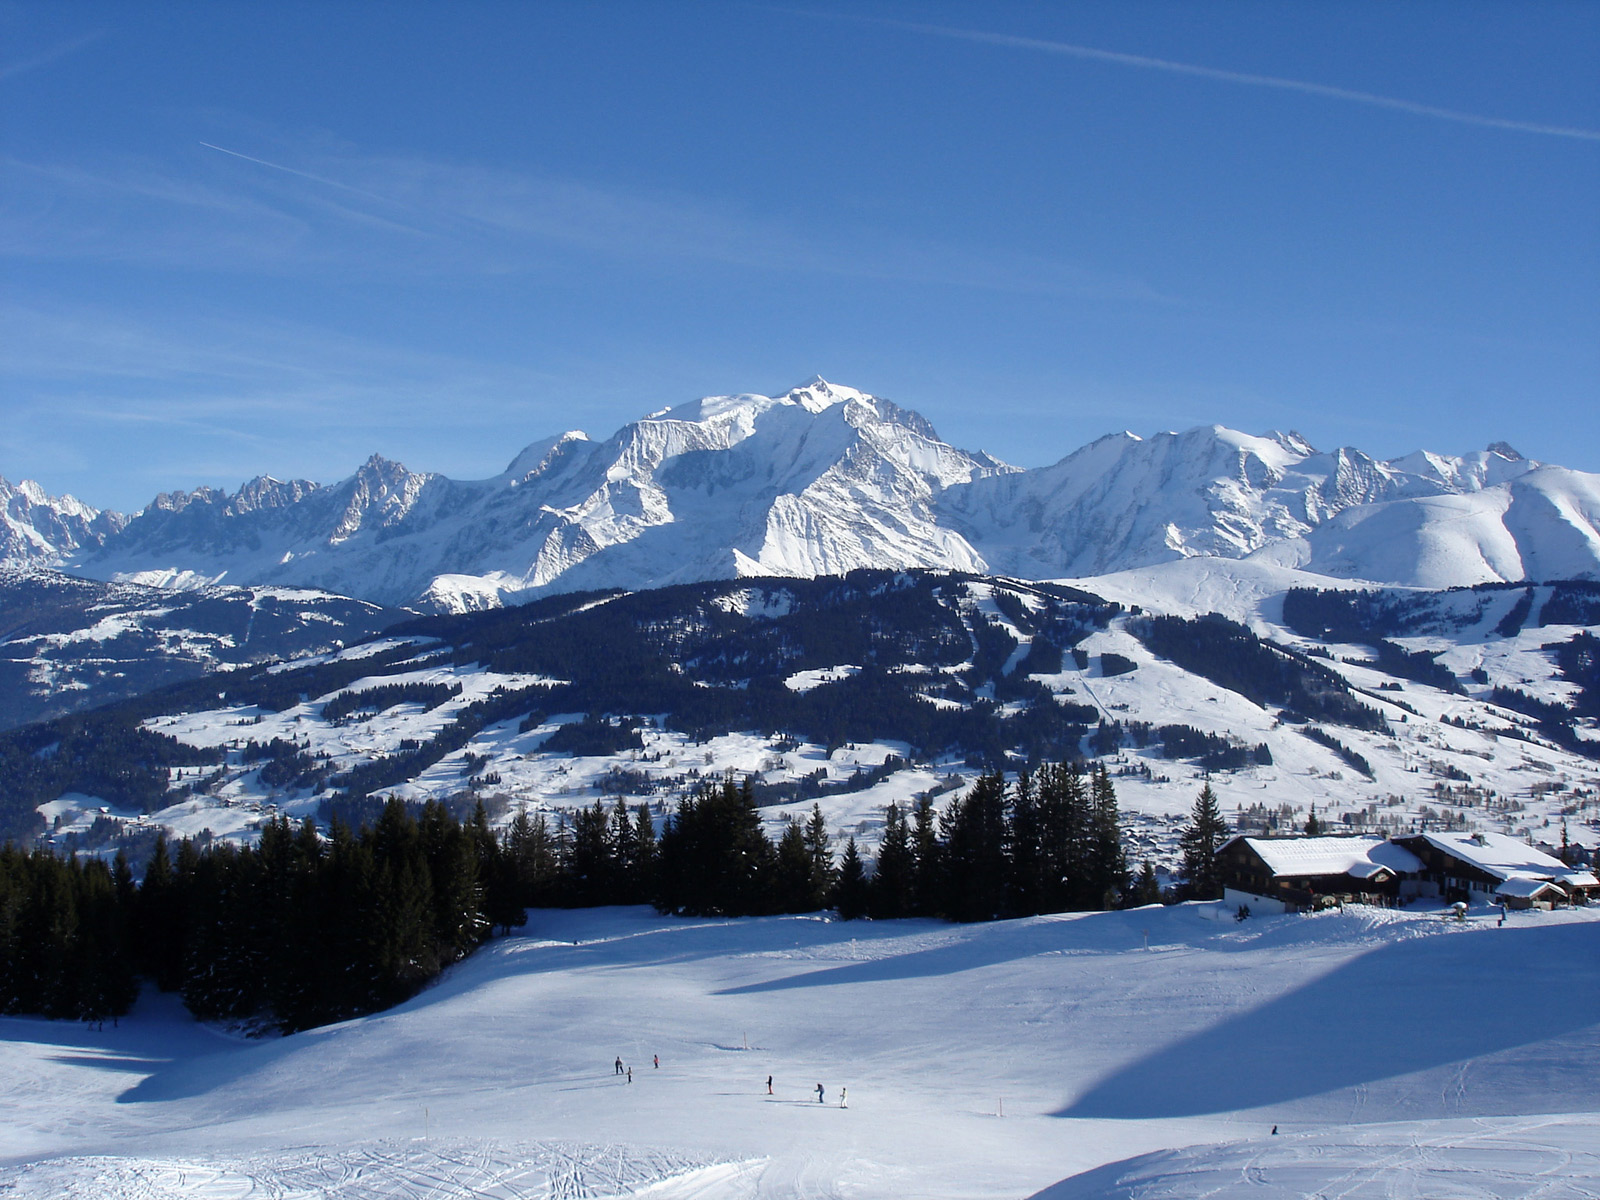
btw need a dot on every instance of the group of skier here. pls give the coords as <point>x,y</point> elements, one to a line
<point>620,1068</point>
<point>617,1068</point>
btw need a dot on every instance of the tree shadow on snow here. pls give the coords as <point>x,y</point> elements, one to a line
<point>989,945</point>
<point>1405,1007</point>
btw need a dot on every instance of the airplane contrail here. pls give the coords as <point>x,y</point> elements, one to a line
<point>333,183</point>
<point>1147,63</point>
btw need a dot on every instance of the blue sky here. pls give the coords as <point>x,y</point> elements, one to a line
<point>274,238</point>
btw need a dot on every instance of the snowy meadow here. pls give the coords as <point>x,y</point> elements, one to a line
<point>1142,1053</point>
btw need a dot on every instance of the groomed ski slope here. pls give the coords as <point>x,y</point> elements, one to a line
<point>1135,1054</point>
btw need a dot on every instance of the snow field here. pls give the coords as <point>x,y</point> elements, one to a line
<point>1392,1050</point>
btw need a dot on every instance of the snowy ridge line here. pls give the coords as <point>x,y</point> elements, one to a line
<point>824,479</point>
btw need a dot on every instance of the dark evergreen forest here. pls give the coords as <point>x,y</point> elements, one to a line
<point>302,929</point>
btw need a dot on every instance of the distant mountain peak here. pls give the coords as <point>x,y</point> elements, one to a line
<point>823,479</point>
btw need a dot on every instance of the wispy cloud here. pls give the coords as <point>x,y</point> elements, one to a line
<point>164,395</point>
<point>46,57</point>
<point>390,215</point>
<point>1248,79</point>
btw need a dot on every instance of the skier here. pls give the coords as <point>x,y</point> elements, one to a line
<point>616,1067</point>
<point>630,1074</point>
<point>656,1058</point>
<point>819,1093</point>
<point>769,1085</point>
<point>844,1097</point>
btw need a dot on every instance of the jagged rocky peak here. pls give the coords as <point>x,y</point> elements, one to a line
<point>177,501</point>
<point>36,527</point>
<point>1293,441</point>
<point>265,492</point>
<point>1505,450</point>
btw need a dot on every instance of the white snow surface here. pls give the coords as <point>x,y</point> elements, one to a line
<point>1146,1053</point>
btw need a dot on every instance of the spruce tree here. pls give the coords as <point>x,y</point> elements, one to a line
<point>1024,849</point>
<point>591,859</point>
<point>973,831</point>
<point>623,852</point>
<point>1108,867</point>
<point>892,892</point>
<point>533,863</point>
<point>160,921</point>
<point>642,866</point>
<point>792,871</point>
<point>1063,861</point>
<point>850,889</point>
<point>927,878</point>
<point>1146,887</point>
<point>820,854</point>
<point>713,858</point>
<point>1199,841</point>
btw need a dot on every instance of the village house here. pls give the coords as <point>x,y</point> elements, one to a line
<point>1491,868</point>
<point>1295,874</point>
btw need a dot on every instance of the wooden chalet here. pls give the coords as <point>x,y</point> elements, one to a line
<point>1491,868</point>
<point>1295,874</point>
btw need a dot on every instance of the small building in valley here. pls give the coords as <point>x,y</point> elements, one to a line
<point>1293,874</point>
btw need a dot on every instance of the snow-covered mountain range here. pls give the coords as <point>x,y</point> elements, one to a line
<point>826,479</point>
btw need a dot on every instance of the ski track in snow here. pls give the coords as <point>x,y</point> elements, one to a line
<point>420,1170</point>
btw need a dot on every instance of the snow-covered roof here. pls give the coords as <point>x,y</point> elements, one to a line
<point>1525,888</point>
<point>1362,857</point>
<point>1503,857</point>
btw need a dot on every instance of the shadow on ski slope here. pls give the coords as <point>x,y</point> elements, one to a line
<point>1401,1008</point>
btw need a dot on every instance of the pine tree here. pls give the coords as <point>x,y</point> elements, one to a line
<point>927,878</point>
<point>973,832</point>
<point>160,921</point>
<point>591,859</point>
<point>533,862</point>
<point>792,871</point>
<point>1063,820</point>
<point>1108,867</point>
<point>642,867</point>
<point>893,885</point>
<point>850,889</point>
<point>713,859</point>
<point>1146,888</point>
<point>1199,841</point>
<point>1024,850</point>
<point>820,854</point>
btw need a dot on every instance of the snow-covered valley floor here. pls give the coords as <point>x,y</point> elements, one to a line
<point>1145,1053</point>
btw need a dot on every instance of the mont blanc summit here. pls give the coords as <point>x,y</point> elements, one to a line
<point>824,479</point>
